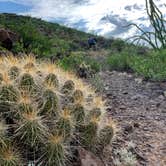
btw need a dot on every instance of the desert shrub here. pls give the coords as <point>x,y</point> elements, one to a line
<point>46,114</point>
<point>118,45</point>
<point>18,47</point>
<point>60,46</point>
<point>97,83</point>
<point>76,59</point>
<point>155,38</point>
<point>119,62</point>
<point>151,67</point>
<point>33,40</point>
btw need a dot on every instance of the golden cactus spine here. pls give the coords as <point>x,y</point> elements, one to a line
<point>45,112</point>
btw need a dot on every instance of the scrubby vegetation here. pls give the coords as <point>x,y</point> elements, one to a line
<point>47,39</point>
<point>69,48</point>
<point>78,58</point>
<point>46,114</point>
<point>151,66</point>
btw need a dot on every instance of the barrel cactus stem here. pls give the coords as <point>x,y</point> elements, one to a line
<point>46,114</point>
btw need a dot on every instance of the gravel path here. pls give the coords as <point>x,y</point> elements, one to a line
<point>139,107</point>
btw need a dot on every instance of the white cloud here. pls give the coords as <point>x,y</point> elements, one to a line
<point>90,11</point>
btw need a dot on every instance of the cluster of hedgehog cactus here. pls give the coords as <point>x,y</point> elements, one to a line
<point>46,114</point>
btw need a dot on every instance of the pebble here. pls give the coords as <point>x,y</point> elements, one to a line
<point>122,107</point>
<point>138,80</point>
<point>137,125</point>
<point>164,93</point>
<point>161,97</point>
<point>136,97</point>
<point>128,128</point>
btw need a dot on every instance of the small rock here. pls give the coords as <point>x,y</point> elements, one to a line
<point>106,88</point>
<point>128,128</point>
<point>122,74</point>
<point>136,97</point>
<point>136,124</point>
<point>130,76</point>
<point>158,105</point>
<point>88,159</point>
<point>122,107</point>
<point>125,93</point>
<point>163,111</point>
<point>108,95</point>
<point>138,80</point>
<point>164,93</point>
<point>109,109</point>
<point>147,109</point>
<point>157,118</point>
<point>145,129</point>
<point>161,97</point>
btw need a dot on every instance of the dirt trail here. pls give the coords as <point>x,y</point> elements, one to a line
<point>140,110</point>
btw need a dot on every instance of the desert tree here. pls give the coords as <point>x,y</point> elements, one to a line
<point>157,37</point>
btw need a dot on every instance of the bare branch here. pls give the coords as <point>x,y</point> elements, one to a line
<point>157,38</point>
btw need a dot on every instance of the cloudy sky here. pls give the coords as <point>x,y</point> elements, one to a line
<point>104,17</point>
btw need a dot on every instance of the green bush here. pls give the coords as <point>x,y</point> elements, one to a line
<point>33,40</point>
<point>76,59</point>
<point>152,66</point>
<point>18,47</point>
<point>118,45</point>
<point>119,62</point>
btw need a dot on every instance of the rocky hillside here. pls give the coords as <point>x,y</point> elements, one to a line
<point>44,38</point>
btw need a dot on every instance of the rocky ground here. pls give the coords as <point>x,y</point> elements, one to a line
<point>139,107</point>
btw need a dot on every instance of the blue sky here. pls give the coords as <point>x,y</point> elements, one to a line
<point>11,7</point>
<point>87,15</point>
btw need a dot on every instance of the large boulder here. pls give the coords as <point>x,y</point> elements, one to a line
<point>7,38</point>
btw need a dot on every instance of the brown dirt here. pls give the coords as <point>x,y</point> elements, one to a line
<point>139,107</point>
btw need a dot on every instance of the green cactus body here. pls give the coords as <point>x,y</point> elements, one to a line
<point>52,80</point>
<point>14,72</point>
<point>96,112</point>
<point>50,103</point>
<point>68,87</point>
<point>30,128</point>
<point>78,96</point>
<point>1,78</point>
<point>9,156</point>
<point>29,66</point>
<point>48,114</point>
<point>3,132</point>
<point>105,137</point>
<point>55,154</point>
<point>22,108</point>
<point>27,82</point>
<point>9,94</point>
<point>64,125</point>
<point>8,97</point>
<point>88,135</point>
<point>79,114</point>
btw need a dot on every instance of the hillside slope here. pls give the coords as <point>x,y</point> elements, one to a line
<point>44,38</point>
